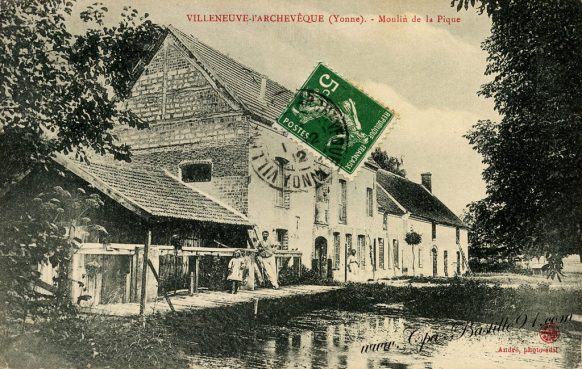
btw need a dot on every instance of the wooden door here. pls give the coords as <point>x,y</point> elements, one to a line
<point>321,255</point>
<point>115,269</point>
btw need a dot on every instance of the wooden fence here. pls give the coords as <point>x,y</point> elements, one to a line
<point>112,273</point>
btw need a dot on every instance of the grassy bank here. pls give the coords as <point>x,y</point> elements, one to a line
<point>468,300</point>
<point>166,341</point>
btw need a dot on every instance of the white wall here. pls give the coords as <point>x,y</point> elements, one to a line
<point>445,241</point>
<point>358,223</point>
<point>297,219</point>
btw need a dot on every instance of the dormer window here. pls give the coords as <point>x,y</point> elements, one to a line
<point>200,171</point>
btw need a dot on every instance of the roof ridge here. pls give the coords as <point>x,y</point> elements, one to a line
<point>212,198</point>
<point>397,175</point>
<point>452,217</point>
<point>212,71</point>
<point>411,181</point>
<point>196,39</point>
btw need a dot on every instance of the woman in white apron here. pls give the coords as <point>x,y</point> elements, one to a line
<point>353,266</point>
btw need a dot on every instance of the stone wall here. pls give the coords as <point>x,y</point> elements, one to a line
<point>173,87</point>
<point>223,141</point>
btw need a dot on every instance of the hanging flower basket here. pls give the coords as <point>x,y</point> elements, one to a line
<point>413,238</point>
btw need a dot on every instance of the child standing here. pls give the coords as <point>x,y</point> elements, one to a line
<point>235,271</point>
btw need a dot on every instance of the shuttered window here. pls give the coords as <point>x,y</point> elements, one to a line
<point>381,251</point>
<point>336,250</point>
<point>362,251</point>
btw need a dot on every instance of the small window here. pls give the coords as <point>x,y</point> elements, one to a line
<point>362,251</point>
<point>283,197</point>
<point>434,226</point>
<point>196,172</point>
<point>369,202</point>
<point>343,217</point>
<point>283,238</point>
<point>381,251</point>
<point>348,243</point>
<point>336,250</point>
<point>385,222</point>
<point>395,253</point>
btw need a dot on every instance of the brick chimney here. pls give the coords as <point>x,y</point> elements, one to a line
<point>426,180</point>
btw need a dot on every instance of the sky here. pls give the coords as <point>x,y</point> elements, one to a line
<point>428,73</point>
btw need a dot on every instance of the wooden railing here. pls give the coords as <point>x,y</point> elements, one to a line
<point>129,249</point>
<point>196,252</point>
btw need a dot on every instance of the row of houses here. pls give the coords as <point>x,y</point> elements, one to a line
<point>213,168</point>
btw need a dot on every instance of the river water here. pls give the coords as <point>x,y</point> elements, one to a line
<point>334,339</point>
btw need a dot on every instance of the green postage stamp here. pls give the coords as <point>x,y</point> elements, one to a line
<point>335,118</point>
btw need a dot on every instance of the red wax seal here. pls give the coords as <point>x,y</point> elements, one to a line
<point>549,333</point>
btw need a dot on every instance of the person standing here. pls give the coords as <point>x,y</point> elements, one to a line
<point>353,266</point>
<point>235,271</point>
<point>267,255</point>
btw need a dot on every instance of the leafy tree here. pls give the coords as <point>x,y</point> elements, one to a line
<point>487,253</point>
<point>534,153</point>
<point>36,233</point>
<point>60,92</point>
<point>389,163</point>
<point>413,238</point>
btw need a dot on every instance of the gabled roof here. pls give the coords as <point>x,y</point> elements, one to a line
<point>416,199</point>
<point>241,82</point>
<point>151,192</point>
<point>385,203</point>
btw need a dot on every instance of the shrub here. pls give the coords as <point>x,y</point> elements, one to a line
<point>289,276</point>
<point>413,238</point>
<point>39,232</point>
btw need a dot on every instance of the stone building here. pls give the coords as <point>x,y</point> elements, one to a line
<point>213,165</point>
<point>213,127</point>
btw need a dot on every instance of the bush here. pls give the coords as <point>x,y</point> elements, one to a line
<point>413,238</point>
<point>40,231</point>
<point>289,276</point>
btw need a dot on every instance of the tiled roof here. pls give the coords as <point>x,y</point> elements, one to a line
<point>385,203</point>
<point>416,199</point>
<point>154,192</point>
<point>243,83</point>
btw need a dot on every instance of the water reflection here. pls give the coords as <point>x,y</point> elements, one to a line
<point>334,339</point>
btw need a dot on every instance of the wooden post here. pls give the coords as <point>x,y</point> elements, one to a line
<point>135,275</point>
<point>299,265</point>
<point>251,276</point>
<point>144,274</point>
<point>196,273</point>
<point>158,280</point>
<point>191,290</point>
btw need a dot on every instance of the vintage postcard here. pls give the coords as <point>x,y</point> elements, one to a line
<point>290,184</point>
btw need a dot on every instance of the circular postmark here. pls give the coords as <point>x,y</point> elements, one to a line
<point>325,124</point>
<point>283,164</point>
<point>549,333</point>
